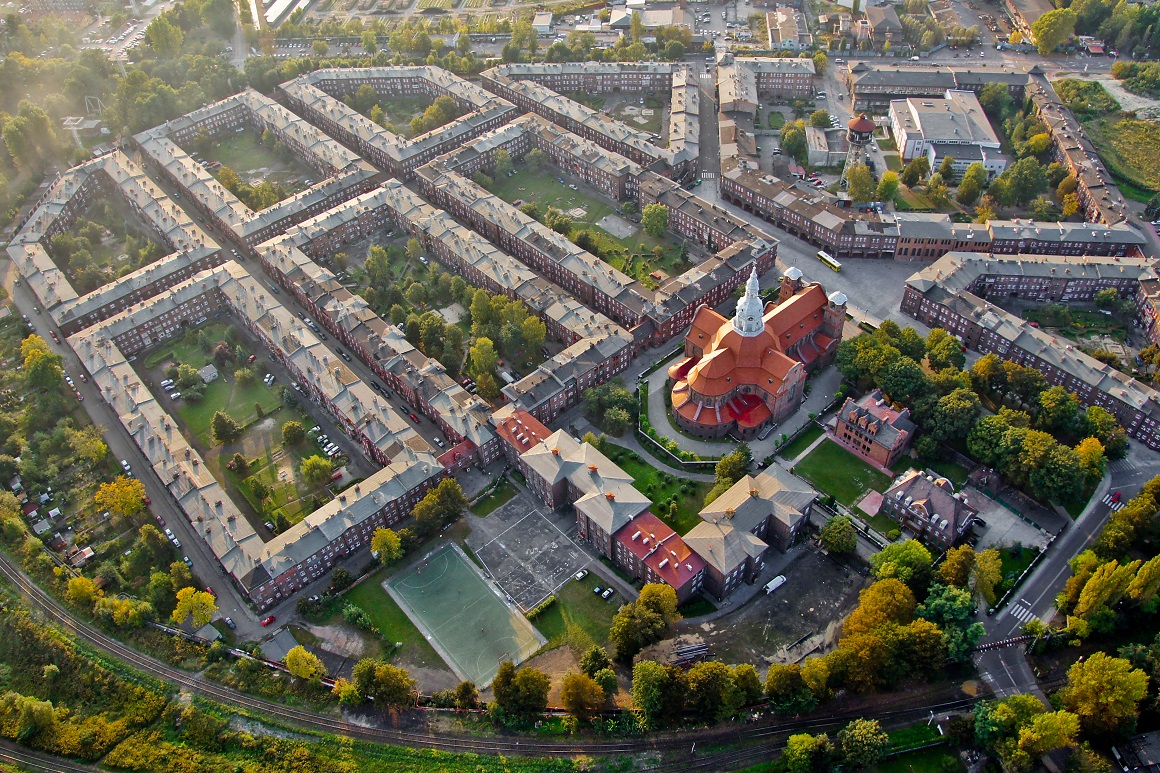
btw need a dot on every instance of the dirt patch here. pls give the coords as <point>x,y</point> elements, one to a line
<point>339,640</point>
<point>429,679</point>
<point>800,617</point>
<point>617,226</point>
<point>556,664</point>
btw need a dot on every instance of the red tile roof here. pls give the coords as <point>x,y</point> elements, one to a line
<point>521,430</point>
<point>661,549</point>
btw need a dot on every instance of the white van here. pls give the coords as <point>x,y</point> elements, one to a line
<point>774,584</point>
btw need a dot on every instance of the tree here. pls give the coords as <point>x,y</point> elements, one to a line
<point>712,690</point>
<point>304,665</point>
<point>915,171</point>
<point>82,591</point>
<point>594,659</point>
<point>616,421</point>
<point>655,219</point>
<point>886,601</point>
<point>793,140</point>
<point>821,62</point>
<point>1053,28</point>
<point>820,118</point>
<point>293,433</point>
<point>535,158</point>
<point>838,535</point>
<point>634,627</point>
<point>439,507</point>
<point>1058,411</point>
<point>1104,692</point>
<point>225,429</point>
<point>320,47</point>
<point>661,599</point>
<point>952,609</point>
<point>1092,458</point>
<point>860,183</point>
<point>863,743</point>
<point>1020,182</point>
<point>651,688</point>
<point>887,186</point>
<point>907,560</point>
<point>195,604</point>
<point>581,696</point>
<point>387,545</point>
<point>957,566</point>
<point>466,695</point>
<point>936,189</point>
<point>164,37</point>
<point>988,573</point>
<point>370,41</point>
<point>805,753</point>
<point>483,356</point>
<point>520,692</point>
<point>316,471</point>
<point>503,162</point>
<point>943,350</point>
<point>387,685</point>
<point>122,495</point>
<point>947,168</point>
<point>245,377</point>
<point>787,690</point>
<point>88,445</point>
<point>955,415</point>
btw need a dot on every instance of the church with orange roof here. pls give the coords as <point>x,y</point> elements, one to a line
<point>743,374</point>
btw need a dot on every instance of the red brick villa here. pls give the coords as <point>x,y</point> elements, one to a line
<point>743,374</point>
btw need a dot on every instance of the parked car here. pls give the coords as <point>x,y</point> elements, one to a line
<point>267,621</point>
<point>581,574</point>
<point>230,623</point>
<point>607,594</point>
<point>598,589</point>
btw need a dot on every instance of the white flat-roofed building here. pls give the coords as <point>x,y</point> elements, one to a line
<point>955,119</point>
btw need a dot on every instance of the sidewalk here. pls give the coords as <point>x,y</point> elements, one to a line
<point>628,440</point>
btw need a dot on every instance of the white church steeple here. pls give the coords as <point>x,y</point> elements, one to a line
<point>747,321</point>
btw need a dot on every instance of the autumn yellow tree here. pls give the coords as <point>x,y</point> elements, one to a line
<point>195,604</point>
<point>304,664</point>
<point>124,496</point>
<point>1104,692</point>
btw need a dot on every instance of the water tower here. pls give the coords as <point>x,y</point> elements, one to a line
<point>859,133</point>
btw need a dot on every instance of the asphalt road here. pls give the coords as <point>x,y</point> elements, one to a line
<point>1007,669</point>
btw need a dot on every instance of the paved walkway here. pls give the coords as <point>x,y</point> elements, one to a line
<point>823,385</point>
<point>628,440</point>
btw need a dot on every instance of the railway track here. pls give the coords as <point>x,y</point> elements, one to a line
<point>760,739</point>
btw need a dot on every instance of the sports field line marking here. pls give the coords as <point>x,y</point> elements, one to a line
<point>505,531</point>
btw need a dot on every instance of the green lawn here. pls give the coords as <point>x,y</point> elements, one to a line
<point>185,351</point>
<point>893,161</point>
<point>918,734</point>
<point>938,758</point>
<point>662,487</point>
<point>579,618</point>
<point>907,199</point>
<point>834,470</point>
<point>651,124</point>
<point>1075,323</point>
<point>393,622</point>
<point>794,448</point>
<point>952,471</point>
<point>488,504</point>
<point>279,471</point>
<point>1014,563</point>
<point>697,606</point>
<point>223,395</point>
<point>545,189</point>
<point>245,154</point>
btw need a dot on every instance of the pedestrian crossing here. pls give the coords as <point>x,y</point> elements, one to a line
<point>1121,465</point>
<point>708,175</point>
<point>1115,507</point>
<point>1021,611</point>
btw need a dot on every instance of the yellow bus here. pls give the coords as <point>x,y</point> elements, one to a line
<point>829,260</point>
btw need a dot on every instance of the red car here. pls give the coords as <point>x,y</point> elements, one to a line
<point>1116,497</point>
<point>414,418</point>
<point>53,334</point>
<point>80,396</point>
<point>209,590</point>
<point>251,358</point>
<point>148,501</point>
<point>267,621</point>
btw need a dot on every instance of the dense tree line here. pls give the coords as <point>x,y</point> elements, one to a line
<point>1029,440</point>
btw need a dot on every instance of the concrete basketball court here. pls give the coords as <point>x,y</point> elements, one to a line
<point>528,552</point>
